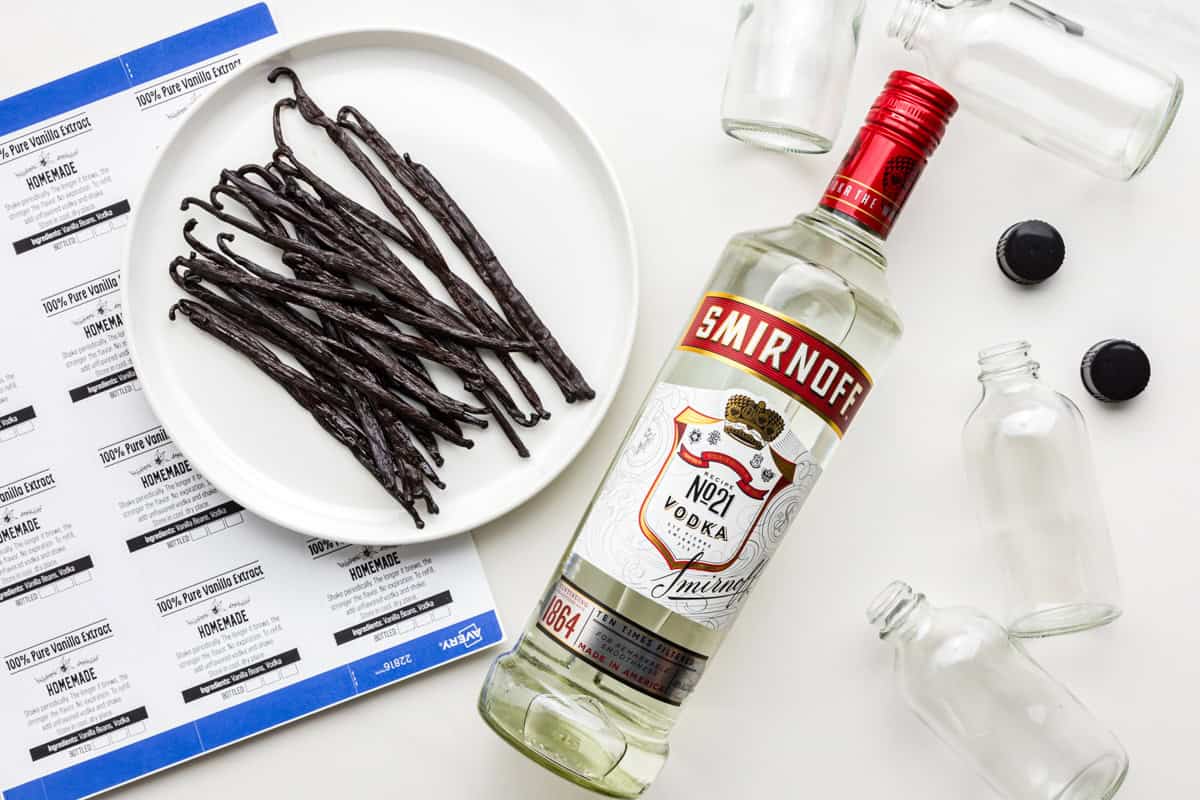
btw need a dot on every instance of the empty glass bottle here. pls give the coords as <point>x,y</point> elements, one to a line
<point>1029,463</point>
<point>1046,78</point>
<point>981,693</point>
<point>788,75</point>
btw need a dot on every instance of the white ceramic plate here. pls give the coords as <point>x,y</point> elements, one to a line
<point>531,178</point>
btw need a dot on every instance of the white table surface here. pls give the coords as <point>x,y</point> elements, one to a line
<point>800,701</point>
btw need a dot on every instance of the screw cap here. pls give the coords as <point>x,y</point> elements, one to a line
<point>1030,252</point>
<point>1115,370</point>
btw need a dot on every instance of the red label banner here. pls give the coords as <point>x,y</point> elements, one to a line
<point>782,352</point>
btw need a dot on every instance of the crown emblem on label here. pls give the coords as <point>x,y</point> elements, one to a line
<point>750,422</point>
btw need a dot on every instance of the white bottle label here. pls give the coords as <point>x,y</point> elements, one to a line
<point>703,492</point>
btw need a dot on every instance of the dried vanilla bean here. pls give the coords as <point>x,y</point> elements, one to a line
<point>408,456</point>
<point>500,394</point>
<point>377,444</point>
<point>357,297</point>
<point>327,362</point>
<point>420,238</point>
<point>430,193</point>
<point>224,277</point>
<point>344,304</point>
<point>526,388</point>
<point>305,391</point>
<point>460,361</point>
<point>497,389</point>
<point>328,226</point>
<point>401,442</point>
<point>419,241</point>
<point>367,222</point>
<point>286,331</point>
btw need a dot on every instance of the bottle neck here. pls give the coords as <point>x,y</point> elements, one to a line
<point>900,613</point>
<point>908,21</point>
<point>902,129</point>
<point>848,232</point>
<point>1007,363</point>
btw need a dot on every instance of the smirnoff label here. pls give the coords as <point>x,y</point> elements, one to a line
<point>781,351</point>
<point>636,656</point>
<point>706,487</point>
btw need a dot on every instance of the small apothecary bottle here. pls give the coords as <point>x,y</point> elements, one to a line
<point>1029,462</point>
<point>981,693</point>
<point>1046,78</point>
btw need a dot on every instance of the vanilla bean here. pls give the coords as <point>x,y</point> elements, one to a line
<point>399,437</point>
<point>514,302</point>
<point>420,242</point>
<point>313,114</point>
<point>357,297</point>
<point>498,390</point>
<point>344,304</point>
<point>225,277</point>
<point>324,360</point>
<point>500,393</point>
<point>417,234</point>
<point>319,355</point>
<point>377,444</point>
<point>255,322</point>
<point>373,241</point>
<point>430,193</point>
<point>417,241</point>
<point>462,362</point>
<point>305,391</point>
<point>505,425</point>
<point>330,260</point>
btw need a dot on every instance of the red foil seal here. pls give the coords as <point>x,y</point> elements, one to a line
<point>903,128</point>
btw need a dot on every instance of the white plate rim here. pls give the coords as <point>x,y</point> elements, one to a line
<point>442,42</point>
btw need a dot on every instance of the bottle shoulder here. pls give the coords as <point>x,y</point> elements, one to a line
<point>821,230</point>
<point>1027,410</point>
<point>954,641</point>
<point>807,243</point>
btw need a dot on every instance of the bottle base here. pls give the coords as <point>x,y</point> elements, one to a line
<point>1058,620</point>
<point>1100,781</point>
<point>567,730</point>
<point>518,743</point>
<point>1155,139</point>
<point>772,136</point>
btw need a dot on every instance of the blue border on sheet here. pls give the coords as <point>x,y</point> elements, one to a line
<point>254,716</point>
<point>303,697</point>
<point>135,67</point>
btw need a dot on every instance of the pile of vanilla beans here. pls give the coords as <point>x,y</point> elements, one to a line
<point>354,316</point>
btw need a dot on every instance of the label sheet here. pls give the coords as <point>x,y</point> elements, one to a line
<point>145,618</point>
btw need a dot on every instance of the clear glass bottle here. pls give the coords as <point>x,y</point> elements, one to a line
<point>742,418</point>
<point>1029,464</point>
<point>789,71</point>
<point>1046,78</point>
<point>981,693</point>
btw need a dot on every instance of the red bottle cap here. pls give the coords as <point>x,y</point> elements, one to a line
<point>903,128</point>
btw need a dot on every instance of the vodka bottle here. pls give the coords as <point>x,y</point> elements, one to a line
<point>769,374</point>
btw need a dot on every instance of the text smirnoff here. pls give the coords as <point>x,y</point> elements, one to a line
<point>782,352</point>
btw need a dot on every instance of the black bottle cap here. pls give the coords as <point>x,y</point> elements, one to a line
<point>1115,370</point>
<point>1030,252</point>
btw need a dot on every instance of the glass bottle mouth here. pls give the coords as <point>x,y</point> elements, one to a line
<point>892,607</point>
<point>1005,358</point>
